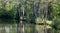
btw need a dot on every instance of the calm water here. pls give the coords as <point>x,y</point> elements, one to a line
<point>10,26</point>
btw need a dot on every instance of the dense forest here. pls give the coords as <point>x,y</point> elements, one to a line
<point>34,12</point>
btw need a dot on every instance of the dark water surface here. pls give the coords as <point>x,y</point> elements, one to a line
<point>10,26</point>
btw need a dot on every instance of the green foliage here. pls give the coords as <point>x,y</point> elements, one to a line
<point>7,9</point>
<point>56,14</point>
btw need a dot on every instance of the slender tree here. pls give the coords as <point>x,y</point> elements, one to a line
<point>45,15</point>
<point>20,11</point>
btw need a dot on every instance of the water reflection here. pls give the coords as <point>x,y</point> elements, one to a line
<point>11,26</point>
<point>8,26</point>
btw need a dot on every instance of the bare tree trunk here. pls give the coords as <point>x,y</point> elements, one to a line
<point>45,15</point>
<point>22,19</point>
<point>20,25</point>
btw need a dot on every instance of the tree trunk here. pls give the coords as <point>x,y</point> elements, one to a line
<point>45,15</point>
